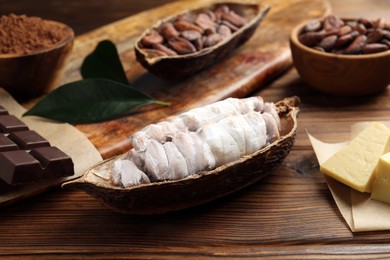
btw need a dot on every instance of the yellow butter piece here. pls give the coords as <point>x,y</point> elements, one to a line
<point>354,165</point>
<point>381,183</point>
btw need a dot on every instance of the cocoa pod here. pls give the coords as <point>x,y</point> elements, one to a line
<point>181,45</point>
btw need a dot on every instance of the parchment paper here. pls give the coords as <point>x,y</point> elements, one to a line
<point>359,211</point>
<point>64,136</point>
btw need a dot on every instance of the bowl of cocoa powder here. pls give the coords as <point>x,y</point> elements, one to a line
<point>32,54</point>
<point>340,56</point>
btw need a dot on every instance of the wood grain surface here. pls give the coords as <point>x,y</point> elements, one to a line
<point>288,215</point>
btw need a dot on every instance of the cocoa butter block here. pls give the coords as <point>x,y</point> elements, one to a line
<point>28,139</point>
<point>3,111</point>
<point>19,167</point>
<point>55,163</point>
<point>7,144</point>
<point>10,123</point>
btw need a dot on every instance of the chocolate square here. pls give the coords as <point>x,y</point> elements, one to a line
<point>10,123</point>
<point>6,144</point>
<point>28,139</point>
<point>3,111</point>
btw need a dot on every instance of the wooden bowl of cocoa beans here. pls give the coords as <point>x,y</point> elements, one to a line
<point>179,46</point>
<point>344,57</point>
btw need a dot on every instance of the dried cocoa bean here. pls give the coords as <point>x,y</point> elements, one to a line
<point>167,30</point>
<point>312,26</point>
<point>328,42</point>
<point>379,24</point>
<point>310,39</point>
<point>360,28</point>
<point>198,43</point>
<point>224,30</point>
<point>182,25</point>
<point>234,19</point>
<point>374,48</point>
<point>205,22</point>
<point>211,15</point>
<point>386,42</point>
<point>212,40</point>
<point>220,10</point>
<point>346,39</point>
<point>357,45</point>
<point>165,49</point>
<point>332,21</point>
<point>367,23</point>
<point>344,30</point>
<point>181,45</point>
<point>374,36</point>
<point>191,35</point>
<point>151,38</point>
<point>232,27</point>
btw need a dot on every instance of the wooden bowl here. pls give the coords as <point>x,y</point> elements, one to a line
<point>31,75</point>
<point>340,74</point>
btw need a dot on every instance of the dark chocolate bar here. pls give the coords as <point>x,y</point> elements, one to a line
<point>27,157</point>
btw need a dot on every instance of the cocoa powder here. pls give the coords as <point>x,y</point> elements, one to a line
<point>20,34</point>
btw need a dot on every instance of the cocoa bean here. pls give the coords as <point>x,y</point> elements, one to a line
<point>165,49</point>
<point>211,15</point>
<point>198,43</point>
<point>344,30</point>
<point>232,27</point>
<point>205,22</point>
<point>151,38</point>
<point>191,35</point>
<point>374,48</point>
<point>212,40</point>
<point>346,39</point>
<point>357,45</point>
<point>379,24</point>
<point>312,26</point>
<point>220,10</point>
<point>311,38</point>
<point>386,42</point>
<point>234,19</point>
<point>367,23</point>
<point>318,48</point>
<point>386,34</point>
<point>375,36</point>
<point>360,28</point>
<point>332,21</point>
<point>328,42</point>
<point>182,25</point>
<point>181,45</point>
<point>224,30</point>
<point>167,30</point>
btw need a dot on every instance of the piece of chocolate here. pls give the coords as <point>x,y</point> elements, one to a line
<point>19,167</point>
<point>55,162</point>
<point>26,156</point>
<point>3,111</point>
<point>10,123</point>
<point>6,144</point>
<point>28,139</point>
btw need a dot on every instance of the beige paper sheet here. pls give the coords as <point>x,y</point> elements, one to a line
<point>359,211</point>
<point>66,137</point>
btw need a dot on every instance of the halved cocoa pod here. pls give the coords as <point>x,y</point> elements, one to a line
<point>183,65</point>
<point>172,195</point>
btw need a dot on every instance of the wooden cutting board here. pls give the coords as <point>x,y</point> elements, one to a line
<point>262,58</point>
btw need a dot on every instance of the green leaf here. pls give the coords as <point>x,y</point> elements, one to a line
<point>89,101</point>
<point>104,62</point>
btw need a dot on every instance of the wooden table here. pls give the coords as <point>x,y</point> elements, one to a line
<point>290,214</point>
